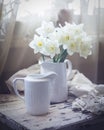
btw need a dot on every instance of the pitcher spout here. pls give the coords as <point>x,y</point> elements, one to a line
<point>49,75</point>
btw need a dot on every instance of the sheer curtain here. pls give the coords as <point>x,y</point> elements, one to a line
<point>30,15</point>
<point>8,10</point>
<point>88,14</point>
<point>91,13</point>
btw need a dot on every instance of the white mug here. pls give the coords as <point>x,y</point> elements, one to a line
<point>36,93</point>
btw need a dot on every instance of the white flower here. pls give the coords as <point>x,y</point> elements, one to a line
<point>85,47</point>
<point>76,29</point>
<point>58,42</point>
<point>38,44</point>
<point>72,47</point>
<point>51,48</point>
<point>45,29</point>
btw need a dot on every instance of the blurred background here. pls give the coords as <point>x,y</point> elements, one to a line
<point>20,18</point>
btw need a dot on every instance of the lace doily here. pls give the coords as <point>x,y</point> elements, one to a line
<point>89,103</point>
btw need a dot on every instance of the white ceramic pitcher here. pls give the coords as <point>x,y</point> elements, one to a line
<point>36,92</point>
<point>59,89</point>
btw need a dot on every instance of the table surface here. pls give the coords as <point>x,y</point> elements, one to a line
<point>60,116</point>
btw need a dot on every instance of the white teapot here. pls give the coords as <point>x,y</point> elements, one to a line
<point>36,92</point>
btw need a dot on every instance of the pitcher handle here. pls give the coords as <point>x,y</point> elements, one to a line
<point>69,67</point>
<point>15,87</point>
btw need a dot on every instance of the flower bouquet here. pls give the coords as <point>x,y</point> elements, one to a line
<point>58,42</point>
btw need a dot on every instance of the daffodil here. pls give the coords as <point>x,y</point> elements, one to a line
<point>45,29</point>
<point>58,42</point>
<point>38,44</point>
<point>51,48</point>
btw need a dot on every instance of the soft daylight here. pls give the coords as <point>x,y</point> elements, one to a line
<point>51,64</point>
<point>58,42</point>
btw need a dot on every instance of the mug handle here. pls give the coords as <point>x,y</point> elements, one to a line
<point>15,87</point>
<point>69,68</point>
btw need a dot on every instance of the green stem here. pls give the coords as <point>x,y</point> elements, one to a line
<point>55,58</point>
<point>63,56</point>
<point>43,57</point>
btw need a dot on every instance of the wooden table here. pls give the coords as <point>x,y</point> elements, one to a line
<point>61,117</point>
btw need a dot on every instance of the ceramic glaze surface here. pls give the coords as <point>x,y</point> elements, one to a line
<point>59,92</point>
<point>37,92</point>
